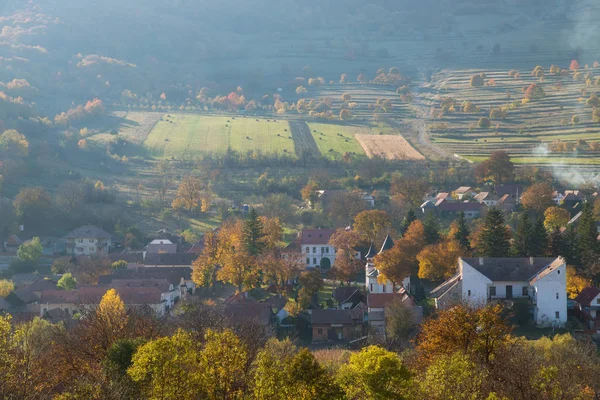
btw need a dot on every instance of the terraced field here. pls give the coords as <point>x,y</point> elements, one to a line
<point>527,128</point>
<point>177,134</point>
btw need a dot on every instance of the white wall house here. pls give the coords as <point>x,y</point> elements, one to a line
<point>312,245</point>
<point>372,273</point>
<point>88,240</point>
<point>541,281</point>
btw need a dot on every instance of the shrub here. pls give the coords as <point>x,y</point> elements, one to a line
<point>497,113</point>
<point>575,120</point>
<point>477,80</point>
<point>469,107</point>
<point>484,123</point>
<point>538,71</point>
<point>534,92</point>
<point>512,73</point>
<point>596,115</point>
<point>555,69</point>
<point>593,101</point>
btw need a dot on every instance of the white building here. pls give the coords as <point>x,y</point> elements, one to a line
<point>88,240</point>
<point>372,273</point>
<point>541,281</point>
<point>314,248</point>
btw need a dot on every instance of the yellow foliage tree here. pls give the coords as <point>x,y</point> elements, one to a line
<point>111,314</point>
<point>555,217</point>
<point>438,262</point>
<point>575,283</point>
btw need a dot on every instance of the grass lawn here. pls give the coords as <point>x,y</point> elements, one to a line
<point>326,137</point>
<point>174,136</point>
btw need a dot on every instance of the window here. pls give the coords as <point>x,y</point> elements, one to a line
<point>308,261</point>
<point>468,292</point>
<point>371,287</point>
<point>320,331</point>
<point>597,301</point>
<point>492,290</point>
<point>314,250</point>
<point>322,250</point>
<point>91,240</point>
<point>314,260</point>
<point>558,271</point>
<point>383,289</point>
<point>556,296</point>
<point>79,240</point>
<point>525,291</point>
<point>308,249</point>
<point>557,315</point>
<point>326,249</point>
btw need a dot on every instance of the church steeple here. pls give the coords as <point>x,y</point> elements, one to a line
<point>388,243</point>
<point>371,252</point>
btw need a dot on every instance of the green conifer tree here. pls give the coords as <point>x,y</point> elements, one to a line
<point>431,229</point>
<point>253,233</point>
<point>409,218</point>
<point>522,240</point>
<point>538,244</point>
<point>462,234</point>
<point>495,236</point>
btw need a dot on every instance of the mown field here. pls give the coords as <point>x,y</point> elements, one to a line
<point>335,140</point>
<point>179,134</point>
<point>527,129</point>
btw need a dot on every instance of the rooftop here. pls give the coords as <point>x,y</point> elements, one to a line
<point>587,295</point>
<point>316,236</point>
<point>510,269</point>
<point>88,232</point>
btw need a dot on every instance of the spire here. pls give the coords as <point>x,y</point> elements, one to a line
<point>388,243</point>
<point>371,252</point>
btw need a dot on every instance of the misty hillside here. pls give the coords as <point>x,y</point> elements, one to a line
<point>71,51</point>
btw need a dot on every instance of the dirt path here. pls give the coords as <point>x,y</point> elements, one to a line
<point>303,140</point>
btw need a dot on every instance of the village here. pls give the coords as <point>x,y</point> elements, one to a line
<point>352,311</point>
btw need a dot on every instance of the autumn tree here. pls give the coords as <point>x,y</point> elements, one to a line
<point>309,193</point>
<point>411,188</point>
<point>238,266</point>
<point>32,206</point>
<point>168,367</point>
<point>555,217</point>
<point>437,262</point>
<point>205,266</point>
<point>346,265</point>
<point>574,66</point>
<point>494,235</point>
<point>188,194</point>
<point>6,287</point>
<point>534,92</point>
<point>374,373</point>
<point>538,197</point>
<point>372,225</point>
<point>67,282</point>
<point>575,282</point>
<point>479,332</point>
<point>401,260</point>
<point>498,168</point>
<point>453,376</point>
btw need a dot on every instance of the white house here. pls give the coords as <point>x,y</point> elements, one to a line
<point>542,281</point>
<point>88,240</point>
<point>314,248</point>
<point>161,246</point>
<point>372,273</point>
<point>487,198</point>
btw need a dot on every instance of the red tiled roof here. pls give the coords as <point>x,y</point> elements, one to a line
<point>382,300</point>
<point>316,236</point>
<point>587,295</point>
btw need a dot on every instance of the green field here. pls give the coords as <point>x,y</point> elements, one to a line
<point>181,133</point>
<point>326,137</point>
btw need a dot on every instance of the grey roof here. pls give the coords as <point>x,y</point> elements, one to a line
<point>170,259</point>
<point>345,294</point>
<point>343,317</point>
<point>172,275</point>
<point>88,231</point>
<point>371,251</point>
<point>446,286</point>
<point>42,284</point>
<point>388,243</point>
<point>510,269</point>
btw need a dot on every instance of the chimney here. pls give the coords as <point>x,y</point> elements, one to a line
<point>531,260</point>
<point>480,260</point>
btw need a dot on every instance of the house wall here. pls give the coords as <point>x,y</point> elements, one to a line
<point>449,298</point>
<point>70,307</point>
<point>517,289</point>
<point>474,284</point>
<point>546,290</point>
<point>312,254</point>
<point>373,286</point>
<point>320,332</point>
<point>89,246</point>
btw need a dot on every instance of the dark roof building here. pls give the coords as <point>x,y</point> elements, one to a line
<point>510,269</point>
<point>88,231</point>
<point>587,295</point>
<point>170,259</point>
<point>388,243</point>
